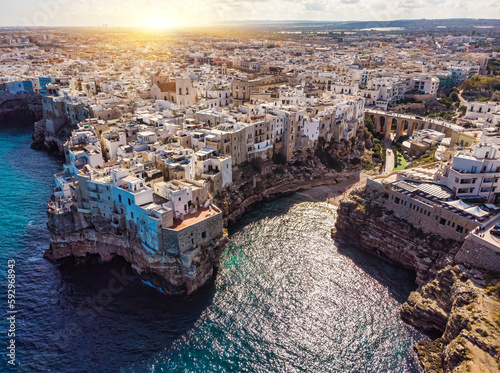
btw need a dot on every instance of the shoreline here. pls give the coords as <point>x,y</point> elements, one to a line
<point>332,193</point>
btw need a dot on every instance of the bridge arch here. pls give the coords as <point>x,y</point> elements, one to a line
<point>394,123</point>
<point>413,127</point>
<point>382,124</point>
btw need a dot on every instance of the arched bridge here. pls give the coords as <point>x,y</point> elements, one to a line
<point>403,124</point>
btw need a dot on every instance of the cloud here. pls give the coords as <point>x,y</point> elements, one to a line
<point>315,6</point>
<point>196,12</point>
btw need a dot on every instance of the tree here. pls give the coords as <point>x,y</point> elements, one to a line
<point>454,97</point>
<point>370,126</point>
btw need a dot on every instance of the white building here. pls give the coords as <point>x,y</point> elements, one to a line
<point>474,173</point>
<point>424,83</point>
<point>477,109</point>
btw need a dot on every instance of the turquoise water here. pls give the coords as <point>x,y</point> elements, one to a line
<point>285,299</point>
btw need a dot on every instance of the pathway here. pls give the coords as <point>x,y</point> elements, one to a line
<point>389,157</point>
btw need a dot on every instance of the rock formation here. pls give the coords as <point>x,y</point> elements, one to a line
<point>20,109</point>
<point>463,306</point>
<point>379,232</point>
<point>261,181</point>
<point>45,140</point>
<point>76,236</point>
<point>456,304</point>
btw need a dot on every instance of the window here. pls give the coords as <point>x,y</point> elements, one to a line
<point>204,234</point>
<point>396,200</point>
<point>120,198</point>
<point>129,203</point>
<point>442,221</point>
<point>459,229</point>
<point>132,215</point>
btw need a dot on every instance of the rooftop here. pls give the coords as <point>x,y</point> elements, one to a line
<point>191,219</point>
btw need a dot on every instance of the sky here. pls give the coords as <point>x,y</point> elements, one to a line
<point>189,13</point>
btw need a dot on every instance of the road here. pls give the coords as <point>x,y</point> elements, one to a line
<point>389,157</point>
<point>460,97</point>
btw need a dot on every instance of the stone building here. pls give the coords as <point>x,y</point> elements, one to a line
<point>433,208</point>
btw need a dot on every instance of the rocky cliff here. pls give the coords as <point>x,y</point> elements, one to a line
<point>456,304</point>
<point>379,232</point>
<point>77,235</point>
<point>74,235</point>
<point>19,109</point>
<point>259,181</point>
<point>50,142</point>
<point>463,305</point>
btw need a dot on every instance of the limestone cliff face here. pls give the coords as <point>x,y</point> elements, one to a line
<point>268,180</point>
<point>78,235</point>
<point>74,235</point>
<point>19,109</point>
<point>52,143</point>
<point>467,316</point>
<point>458,305</point>
<point>363,221</point>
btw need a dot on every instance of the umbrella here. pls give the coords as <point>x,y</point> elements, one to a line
<point>459,204</point>
<point>476,211</point>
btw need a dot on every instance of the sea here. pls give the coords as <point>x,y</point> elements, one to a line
<point>286,297</point>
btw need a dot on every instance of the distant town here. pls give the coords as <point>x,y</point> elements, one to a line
<point>165,135</point>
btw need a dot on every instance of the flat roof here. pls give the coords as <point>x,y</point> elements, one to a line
<point>191,219</point>
<point>430,189</point>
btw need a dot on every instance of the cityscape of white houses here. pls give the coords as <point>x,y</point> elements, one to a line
<point>155,137</point>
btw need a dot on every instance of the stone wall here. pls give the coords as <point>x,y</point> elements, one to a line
<point>479,255</point>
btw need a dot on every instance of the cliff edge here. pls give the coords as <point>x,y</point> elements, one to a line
<point>266,180</point>
<point>456,304</point>
<point>464,306</point>
<point>80,235</point>
<point>53,143</point>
